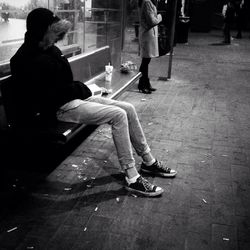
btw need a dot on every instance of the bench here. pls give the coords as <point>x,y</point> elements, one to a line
<point>88,68</point>
<point>67,50</point>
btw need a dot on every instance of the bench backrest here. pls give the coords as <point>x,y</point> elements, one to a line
<point>89,65</point>
<point>67,50</point>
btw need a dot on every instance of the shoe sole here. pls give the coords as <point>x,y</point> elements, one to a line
<point>143,193</point>
<point>159,174</point>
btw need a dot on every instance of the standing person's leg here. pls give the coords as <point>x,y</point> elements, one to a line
<point>227,35</point>
<point>92,112</point>
<point>145,77</point>
<point>238,18</point>
<point>144,66</point>
<point>143,82</point>
<point>241,21</point>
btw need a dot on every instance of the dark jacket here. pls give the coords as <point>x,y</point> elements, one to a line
<point>230,12</point>
<point>43,80</point>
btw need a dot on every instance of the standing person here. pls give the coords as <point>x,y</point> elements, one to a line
<point>148,40</point>
<point>48,91</point>
<point>239,16</point>
<point>228,12</point>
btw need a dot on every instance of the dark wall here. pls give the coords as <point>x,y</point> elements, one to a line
<point>206,14</point>
<point>106,4</point>
<point>200,12</point>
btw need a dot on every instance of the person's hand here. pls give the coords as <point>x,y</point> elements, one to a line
<point>159,17</point>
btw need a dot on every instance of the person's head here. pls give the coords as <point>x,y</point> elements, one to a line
<point>45,27</point>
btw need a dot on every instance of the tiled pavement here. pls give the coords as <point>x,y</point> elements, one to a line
<point>199,123</point>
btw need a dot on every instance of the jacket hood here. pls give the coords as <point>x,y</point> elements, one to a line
<point>38,21</point>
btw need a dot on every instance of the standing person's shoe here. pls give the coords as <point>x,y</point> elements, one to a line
<point>143,86</point>
<point>150,86</point>
<point>158,169</point>
<point>143,187</point>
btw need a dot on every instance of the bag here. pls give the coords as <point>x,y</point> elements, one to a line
<point>163,40</point>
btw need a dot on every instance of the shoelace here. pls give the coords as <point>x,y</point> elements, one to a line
<point>145,183</point>
<point>161,166</point>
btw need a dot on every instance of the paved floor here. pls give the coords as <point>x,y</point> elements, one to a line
<point>199,123</point>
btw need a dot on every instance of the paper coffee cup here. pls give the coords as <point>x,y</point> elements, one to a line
<point>108,72</point>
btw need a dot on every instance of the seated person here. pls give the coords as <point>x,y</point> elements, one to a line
<point>47,88</point>
<point>228,12</point>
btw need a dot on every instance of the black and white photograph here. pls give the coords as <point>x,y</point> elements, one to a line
<point>125,124</point>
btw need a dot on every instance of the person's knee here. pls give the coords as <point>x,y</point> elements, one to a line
<point>119,115</point>
<point>130,108</point>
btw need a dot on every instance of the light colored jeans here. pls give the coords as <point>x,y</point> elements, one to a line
<point>122,117</point>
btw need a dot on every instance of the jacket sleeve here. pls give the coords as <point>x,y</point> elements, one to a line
<point>56,88</point>
<point>150,14</point>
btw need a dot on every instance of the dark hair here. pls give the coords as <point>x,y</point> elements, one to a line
<point>38,21</point>
<point>153,1</point>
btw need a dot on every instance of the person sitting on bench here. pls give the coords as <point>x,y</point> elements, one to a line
<point>46,87</point>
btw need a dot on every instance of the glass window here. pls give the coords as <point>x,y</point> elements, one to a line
<point>95,23</point>
<point>103,26</point>
<point>131,33</point>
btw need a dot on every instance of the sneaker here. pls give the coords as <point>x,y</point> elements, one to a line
<point>144,187</point>
<point>158,169</point>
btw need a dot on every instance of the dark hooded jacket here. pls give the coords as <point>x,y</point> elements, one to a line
<point>42,79</point>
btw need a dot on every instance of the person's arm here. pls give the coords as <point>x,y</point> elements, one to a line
<point>224,10</point>
<point>55,86</point>
<point>152,18</point>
